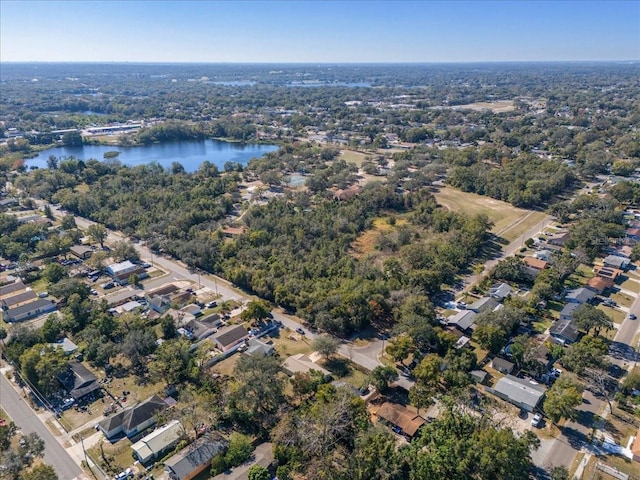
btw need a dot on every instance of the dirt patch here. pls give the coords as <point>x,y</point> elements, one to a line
<point>499,106</point>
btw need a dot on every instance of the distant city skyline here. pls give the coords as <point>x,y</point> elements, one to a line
<point>319,31</point>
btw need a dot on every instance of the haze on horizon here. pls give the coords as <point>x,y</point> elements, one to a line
<point>319,31</point>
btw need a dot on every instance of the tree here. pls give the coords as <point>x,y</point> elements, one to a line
<point>97,233</point>
<point>587,317</point>
<point>3,334</point>
<point>256,310</point>
<point>136,345</point>
<point>400,347</point>
<point>460,446</point>
<point>97,259</point>
<point>258,389</point>
<point>54,272</point>
<point>123,250</point>
<point>72,139</point>
<point>326,345</point>
<point>41,472</point>
<point>562,399</point>
<point>47,212</point>
<point>490,337</point>
<point>68,222</point>
<point>168,326</point>
<point>382,376</point>
<point>258,472</point>
<point>559,473</point>
<point>429,371</point>
<point>173,361</point>
<point>589,352</point>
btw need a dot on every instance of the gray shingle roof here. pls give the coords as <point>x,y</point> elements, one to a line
<point>195,455</point>
<point>520,391</point>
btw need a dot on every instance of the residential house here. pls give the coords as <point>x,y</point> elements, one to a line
<point>559,239</point>
<point>78,381</point>
<point>29,310</point>
<point>10,288</point>
<point>403,420</point>
<point>158,303</point>
<point>522,393</point>
<point>120,272</point>
<point>231,336</point>
<point>567,312</point>
<point>533,266</point>
<point>501,291</point>
<point>633,234</point>
<point>564,331</point>
<point>543,254</point>
<point>200,330</point>
<point>503,366</point>
<point>302,363</point>
<point>484,304</point>
<point>6,203</point>
<point>580,295</point>
<point>607,272</point>
<point>195,458</point>
<point>17,299</point>
<point>153,446</point>
<point>599,284</point>
<point>67,346</point>
<point>133,420</point>
<point>258,347</point>
<point>231,232</point>
<point>347,193</point>
<point>81,251</point>
<point>616,261</point>
<point>193,309</point>
<point>463,320</point>
<point>132,307</point>
<point>478,376</point>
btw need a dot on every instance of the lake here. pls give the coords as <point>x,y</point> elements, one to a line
<point>191,154</point>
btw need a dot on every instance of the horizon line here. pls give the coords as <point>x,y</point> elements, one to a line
<point>453,62</point>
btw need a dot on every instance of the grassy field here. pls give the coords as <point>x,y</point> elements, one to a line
<point>350,156</point>
<point>622,299</point>
<point>366,242</point>
<point>509,222</point>
<point>290,343</point>
<point>499,106</point>
<point>632,285</point>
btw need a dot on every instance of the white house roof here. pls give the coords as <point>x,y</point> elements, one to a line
<point>520,391</point>
<point>117,268</point>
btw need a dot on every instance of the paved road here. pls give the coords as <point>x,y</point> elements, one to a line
<point>25,418</point>
<point>507,251</point>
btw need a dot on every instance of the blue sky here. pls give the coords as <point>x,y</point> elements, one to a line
<point>318,31</point>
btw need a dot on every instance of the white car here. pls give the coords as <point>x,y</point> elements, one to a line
<point>536,421</point>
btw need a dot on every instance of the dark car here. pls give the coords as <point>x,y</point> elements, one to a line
<point>300,331</point>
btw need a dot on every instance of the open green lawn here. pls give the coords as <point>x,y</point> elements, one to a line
<point>290,343</point>
<point>509,222</point>
<point>350,156</point>
<point>632,285</point>
<point>118,455</point>
<point>617,316</point>
<point>622,299</point>
<point>542,325</point>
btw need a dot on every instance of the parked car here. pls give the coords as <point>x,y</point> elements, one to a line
<point>300,331</point>
<point>536,421</point>
<point>108,285</point>
<point>632,316</point>
<point>212,304</point>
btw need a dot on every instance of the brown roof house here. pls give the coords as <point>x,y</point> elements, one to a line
<point>599,284</point>
<point>401,419</point>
